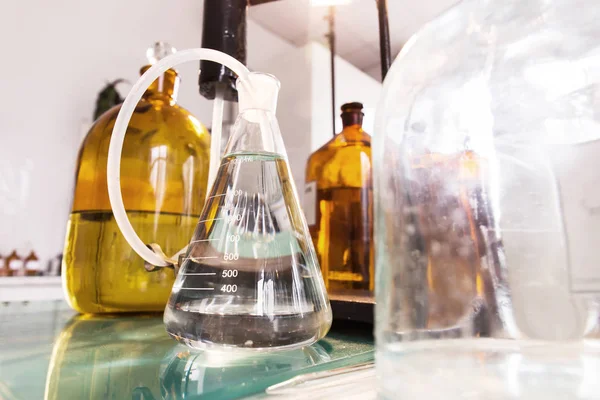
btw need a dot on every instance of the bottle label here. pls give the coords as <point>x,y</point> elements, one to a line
<point>15,264</point>
<point>310,203</point>
<point>33,266</point>
<point>578,178</point>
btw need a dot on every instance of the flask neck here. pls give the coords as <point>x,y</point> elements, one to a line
<point>256,131</point>
<point>166,86</point>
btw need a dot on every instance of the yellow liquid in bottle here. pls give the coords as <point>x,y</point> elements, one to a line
<point>344,237</point>
<point>342,229</point>
<point>106,275</point>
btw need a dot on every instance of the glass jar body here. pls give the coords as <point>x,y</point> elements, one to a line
<point>484,176</point>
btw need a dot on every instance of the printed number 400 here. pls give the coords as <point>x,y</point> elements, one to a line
<point>229,288</point>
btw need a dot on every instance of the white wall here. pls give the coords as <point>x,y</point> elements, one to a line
<point>64,52</point>
<point>351,84</point>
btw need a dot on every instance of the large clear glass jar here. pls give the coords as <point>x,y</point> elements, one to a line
<point>487,199</point>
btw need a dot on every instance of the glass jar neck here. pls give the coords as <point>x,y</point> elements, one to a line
<point>167,85</point>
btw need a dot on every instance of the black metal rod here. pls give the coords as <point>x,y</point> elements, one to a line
<point>223,29</point>
<point>384,38</point>
<point>331,37</point>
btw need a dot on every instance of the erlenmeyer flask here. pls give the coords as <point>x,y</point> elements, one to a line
<point>250,278</point>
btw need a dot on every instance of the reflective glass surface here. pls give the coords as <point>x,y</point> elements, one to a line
<point>49,352</point>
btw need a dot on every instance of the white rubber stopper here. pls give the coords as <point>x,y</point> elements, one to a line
<point>265,90</point>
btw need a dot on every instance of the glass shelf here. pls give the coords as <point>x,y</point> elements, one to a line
<point>48,351</point>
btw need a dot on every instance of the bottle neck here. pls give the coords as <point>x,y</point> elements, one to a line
<point>352,118</point>
<point>352,133</point>
<point>166,86</point>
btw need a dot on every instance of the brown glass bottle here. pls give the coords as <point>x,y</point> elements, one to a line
<point>14,263</point>
<point>32,264</point>
<point>4,270</point>
<point>338,205</point>
<point>164,169</point>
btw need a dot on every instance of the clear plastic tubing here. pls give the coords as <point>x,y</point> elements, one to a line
<point>120,128</point>
<point>215,137</point>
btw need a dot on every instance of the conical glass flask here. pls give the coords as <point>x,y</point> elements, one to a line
<point>250,278</point>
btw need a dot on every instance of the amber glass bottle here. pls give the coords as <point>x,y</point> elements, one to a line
<point>32,264</point>
<point>4,267</point>
<point>14,263</point>
<point>338,205</point>
<point>164,169</point>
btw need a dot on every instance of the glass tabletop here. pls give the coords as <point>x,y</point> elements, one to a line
<point>49,352</point>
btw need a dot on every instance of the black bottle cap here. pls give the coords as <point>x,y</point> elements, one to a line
<point>352,114</point>
<point>223,29</point>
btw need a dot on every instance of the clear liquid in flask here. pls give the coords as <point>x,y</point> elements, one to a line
<point>250,277</point>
